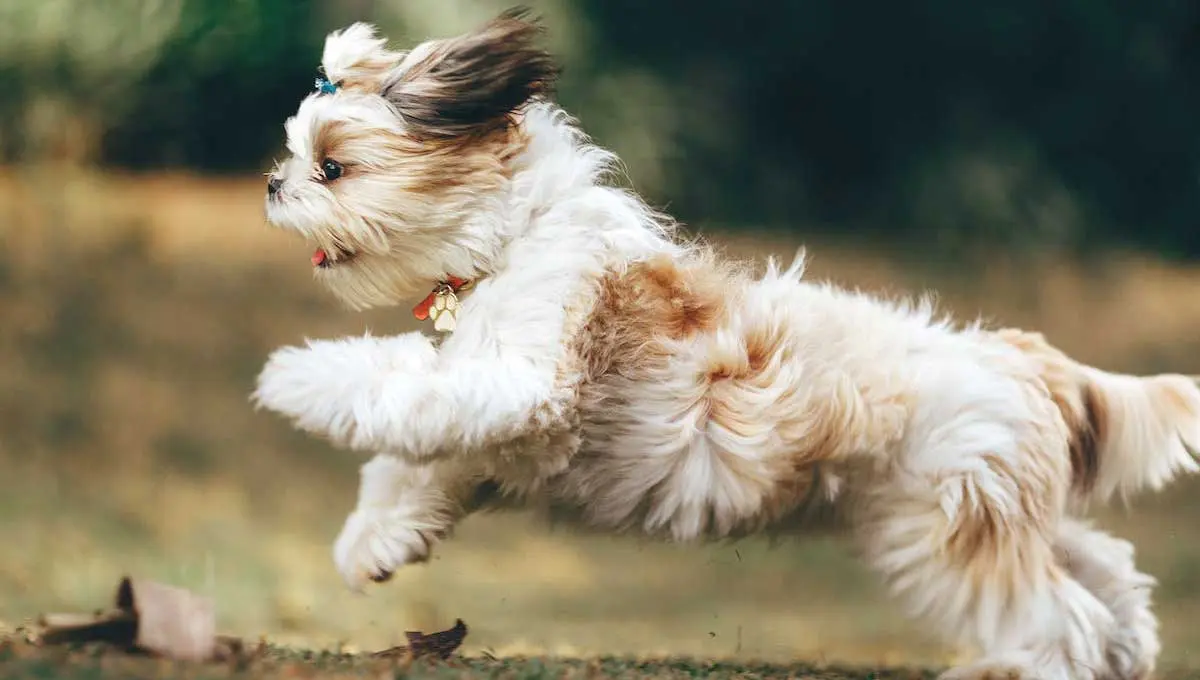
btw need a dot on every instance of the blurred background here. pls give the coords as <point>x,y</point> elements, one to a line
<point>1035,161</point>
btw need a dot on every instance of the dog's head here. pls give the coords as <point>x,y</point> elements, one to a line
<point>396,157</point>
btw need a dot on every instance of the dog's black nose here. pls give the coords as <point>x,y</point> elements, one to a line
<point>273,185</point>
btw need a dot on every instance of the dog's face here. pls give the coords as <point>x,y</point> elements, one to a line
<point>392,168</point>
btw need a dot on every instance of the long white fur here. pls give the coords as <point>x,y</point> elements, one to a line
<point>440,418</point>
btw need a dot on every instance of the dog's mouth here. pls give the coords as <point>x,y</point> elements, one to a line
<point>324,259</point>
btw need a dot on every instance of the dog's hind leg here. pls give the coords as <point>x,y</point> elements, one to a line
<point>965,527</point>
<point>968,560</point>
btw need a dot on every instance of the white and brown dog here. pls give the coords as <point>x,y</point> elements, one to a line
<point>601,365</point>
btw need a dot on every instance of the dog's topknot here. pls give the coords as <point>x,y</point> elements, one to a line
<point>356,57</point>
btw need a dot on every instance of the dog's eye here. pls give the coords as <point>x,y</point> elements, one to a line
<point>331,169</point>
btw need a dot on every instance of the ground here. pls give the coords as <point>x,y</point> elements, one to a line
<point>23,662</point>
<point>137,311</point>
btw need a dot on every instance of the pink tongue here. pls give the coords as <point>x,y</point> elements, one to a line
<point>318,257</point>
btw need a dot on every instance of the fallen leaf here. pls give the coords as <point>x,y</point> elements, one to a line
<point>150,617</point>
<point>440,644</point>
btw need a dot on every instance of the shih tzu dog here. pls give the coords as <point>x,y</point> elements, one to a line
<point>588,358</point>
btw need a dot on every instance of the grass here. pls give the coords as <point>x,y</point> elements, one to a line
<point>137,311</point>
<point>25,662</point>
<point>20,661</point>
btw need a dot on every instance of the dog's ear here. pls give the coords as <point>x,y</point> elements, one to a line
<point>472,83</point>
<point>355,58</point>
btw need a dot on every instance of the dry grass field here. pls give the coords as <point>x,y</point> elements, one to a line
<point>137,310</point>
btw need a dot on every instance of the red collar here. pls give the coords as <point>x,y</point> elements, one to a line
<point>421,311</point>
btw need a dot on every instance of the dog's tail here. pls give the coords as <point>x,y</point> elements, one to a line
<point>1127,432</point>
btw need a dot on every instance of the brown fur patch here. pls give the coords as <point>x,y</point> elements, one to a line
<point>651,301</point>
<point>332,139</point>
<point>1081,404</point>
<point>481,162</point>
<point>1087,437</point>
<point>478,163</point>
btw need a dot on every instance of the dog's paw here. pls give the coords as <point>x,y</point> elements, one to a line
<point>375,543</point>
<point>1133,651</point>
<point>287,383</point>
<point>317,395</point>
<point>331,387</point>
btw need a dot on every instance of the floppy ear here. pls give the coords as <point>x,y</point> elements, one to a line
<point>355,58</point>
<point>474,82</point>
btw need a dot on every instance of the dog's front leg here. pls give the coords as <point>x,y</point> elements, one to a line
<point>403,510</point>
<point>463,406</point>
<point>392,394</point>
<point>331,387</point>
<point>494,378</point>
<point>490,380</point>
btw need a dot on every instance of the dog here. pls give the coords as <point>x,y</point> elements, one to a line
<point>590,358</point>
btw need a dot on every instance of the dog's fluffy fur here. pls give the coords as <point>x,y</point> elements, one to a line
<point>604,367</point>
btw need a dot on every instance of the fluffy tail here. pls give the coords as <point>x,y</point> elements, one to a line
<point>1127,432</point>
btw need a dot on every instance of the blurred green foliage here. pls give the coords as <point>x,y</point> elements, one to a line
<point>1047,125</point>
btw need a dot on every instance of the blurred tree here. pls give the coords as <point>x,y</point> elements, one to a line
<point>888,115</point>
<point>69,69</point>
<point>219,92</point>
<point>1049,125</point>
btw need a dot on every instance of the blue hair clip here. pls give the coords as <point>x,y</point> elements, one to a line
<point>325,87</point>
